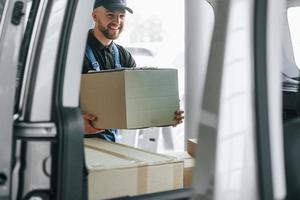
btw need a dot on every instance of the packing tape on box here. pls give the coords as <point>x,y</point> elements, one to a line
<point>177,182</point>
<point>142,177</point>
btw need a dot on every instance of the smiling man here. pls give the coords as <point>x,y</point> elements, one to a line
<point>103,54</point>
<point>109,18</point>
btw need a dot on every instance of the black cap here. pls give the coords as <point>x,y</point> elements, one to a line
<point>112,4</point>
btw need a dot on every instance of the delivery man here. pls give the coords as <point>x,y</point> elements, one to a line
<point>102,53</point>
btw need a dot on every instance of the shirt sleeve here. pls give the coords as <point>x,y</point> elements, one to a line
<point>128,59</point>
<point>130,62</point>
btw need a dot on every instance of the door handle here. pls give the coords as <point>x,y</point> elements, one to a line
<point>17,13</point>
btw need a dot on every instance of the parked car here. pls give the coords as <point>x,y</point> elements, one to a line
<point>143,57</point>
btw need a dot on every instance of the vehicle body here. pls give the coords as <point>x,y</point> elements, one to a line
<point>233,75</point>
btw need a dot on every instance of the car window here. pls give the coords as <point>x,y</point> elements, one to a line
<point>293,21</point>
<point>291,64</point>
<point>31,9</point>
<point>138,51</point>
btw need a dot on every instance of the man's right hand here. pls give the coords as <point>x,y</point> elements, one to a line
<point>88,127</point>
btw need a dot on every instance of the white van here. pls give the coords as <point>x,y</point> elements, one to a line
<point>238,54</point>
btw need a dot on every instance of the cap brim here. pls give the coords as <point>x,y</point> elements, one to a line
<point>118,6</point>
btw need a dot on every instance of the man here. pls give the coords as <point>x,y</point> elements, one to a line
<point>102,53</point>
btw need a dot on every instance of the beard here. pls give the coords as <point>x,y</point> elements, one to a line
<point>110,35</point>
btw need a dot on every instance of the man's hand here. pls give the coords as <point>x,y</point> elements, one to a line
<point>178,117</point>
<point>88,127</point>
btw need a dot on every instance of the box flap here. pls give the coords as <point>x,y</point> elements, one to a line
<point>96,160</point>
<point>126,156</point>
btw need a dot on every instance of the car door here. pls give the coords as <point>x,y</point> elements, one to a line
<point>11,29</point>
<point>240,148</point>
<point>48,127</point>
<point>41,126</point>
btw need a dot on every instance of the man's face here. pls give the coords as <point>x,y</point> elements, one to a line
<point>110,23</point>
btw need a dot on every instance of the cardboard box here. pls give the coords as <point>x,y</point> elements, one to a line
<point>130,98</point>
<point>191,146</point>
<point>188,165</point>
<point>117,170</point>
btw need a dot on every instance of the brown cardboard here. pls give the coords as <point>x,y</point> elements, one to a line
<point>117,170</point>
<point>131,98</point>
<point>188,163</point>
<point>188,172</point>
<point>191,146</point>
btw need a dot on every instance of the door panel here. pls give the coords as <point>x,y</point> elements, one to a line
<point>275,27</point>
<point>10,40</point>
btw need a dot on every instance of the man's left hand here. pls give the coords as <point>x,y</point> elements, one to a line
<point>178,117</point>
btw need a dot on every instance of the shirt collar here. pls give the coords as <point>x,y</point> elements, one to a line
<point>92,40</point>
